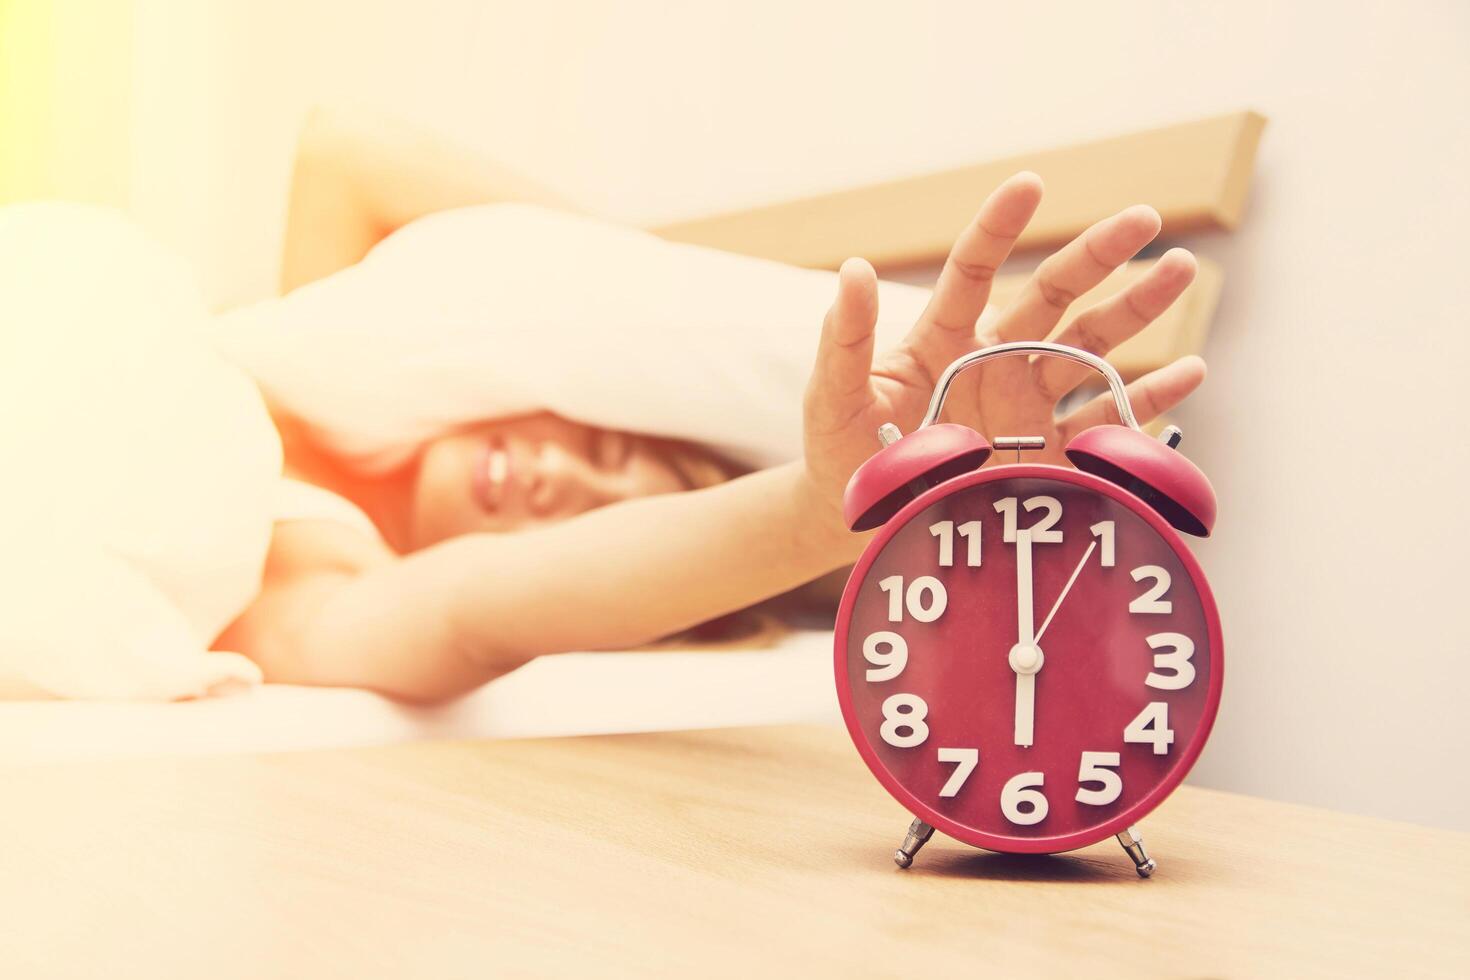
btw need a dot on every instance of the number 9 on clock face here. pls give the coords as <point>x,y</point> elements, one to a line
<point>1028,658</point>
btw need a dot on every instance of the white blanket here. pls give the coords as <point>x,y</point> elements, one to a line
<point>500,310</point>
<point>135,509</point>
<point>571,694</point>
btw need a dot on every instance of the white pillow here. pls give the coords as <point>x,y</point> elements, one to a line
<point>499,310</point>
<point>135,512</point>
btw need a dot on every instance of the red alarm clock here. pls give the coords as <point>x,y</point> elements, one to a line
<point>1028,657</point>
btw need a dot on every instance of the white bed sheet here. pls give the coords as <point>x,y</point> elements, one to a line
<point>568,694</point>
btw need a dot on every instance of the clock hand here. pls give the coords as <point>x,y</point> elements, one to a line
<point>1025,617</point>
<point>1025,657</point>
<point>1025,709</point>
<point>1065,589</point>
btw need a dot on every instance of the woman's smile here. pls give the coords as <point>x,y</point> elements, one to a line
<point>491,473</point>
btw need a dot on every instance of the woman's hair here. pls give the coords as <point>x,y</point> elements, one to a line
<point>744,629</point>
<point>698,466</point>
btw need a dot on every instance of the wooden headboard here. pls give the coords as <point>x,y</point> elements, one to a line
<point>1195,173</point>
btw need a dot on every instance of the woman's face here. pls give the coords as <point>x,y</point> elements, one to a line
<point>516,473</point>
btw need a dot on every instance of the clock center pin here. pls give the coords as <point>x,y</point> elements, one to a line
<point>1026,658</point>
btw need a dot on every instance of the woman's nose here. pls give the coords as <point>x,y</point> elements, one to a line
<point>574,483</point>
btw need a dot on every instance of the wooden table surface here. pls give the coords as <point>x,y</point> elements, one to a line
<point>727,853</point>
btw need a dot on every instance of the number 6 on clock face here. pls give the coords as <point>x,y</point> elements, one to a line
<point>1024,790</point>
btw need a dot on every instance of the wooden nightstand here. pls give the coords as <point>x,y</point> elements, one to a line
<point>726,853</point>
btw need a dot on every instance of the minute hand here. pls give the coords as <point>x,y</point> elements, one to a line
<point>1065,589</point>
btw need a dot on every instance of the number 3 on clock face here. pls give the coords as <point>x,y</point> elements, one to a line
<point>1028,658</point>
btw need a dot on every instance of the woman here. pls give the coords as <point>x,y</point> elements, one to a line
<point>535,535</point>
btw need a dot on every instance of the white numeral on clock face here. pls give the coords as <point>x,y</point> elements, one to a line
<point>1044,531</point>
<point>1177,648</point>
<point>1151,727</point>
<point>1097,767</point>
<point>966,760</point>
<point>1021,790</point>
<point>925,598</point>
<point>1105,532</point>
<point>904,712</point>
<point>970,531</point>
<point>1152,600</point>
<point>888,653</point>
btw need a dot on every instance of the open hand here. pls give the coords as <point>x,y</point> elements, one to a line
<point>851,393</point>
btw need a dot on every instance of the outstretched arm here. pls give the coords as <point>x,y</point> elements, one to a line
<point>446,619</point>
<point>358,178</point>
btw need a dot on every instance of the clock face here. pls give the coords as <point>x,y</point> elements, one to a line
<point>1028,658</point>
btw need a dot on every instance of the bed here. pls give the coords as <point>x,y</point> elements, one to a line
<point>1203,167</point>
<point>569,694</point>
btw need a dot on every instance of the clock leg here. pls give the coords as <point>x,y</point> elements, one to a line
<point>1133,844</point>
<point>918,835</point>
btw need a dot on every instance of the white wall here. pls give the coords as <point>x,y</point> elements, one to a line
<point>1331,421</point>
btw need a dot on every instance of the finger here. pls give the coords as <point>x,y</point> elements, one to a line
<point>947,327</point>
<point>1151,396</point>
<point>1071,271</point>
<point>839,380</point>
<point>1109,323</point>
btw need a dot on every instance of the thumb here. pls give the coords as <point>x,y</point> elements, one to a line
<point>839,384</point>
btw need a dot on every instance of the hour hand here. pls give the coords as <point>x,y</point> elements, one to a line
<point>1025,708</point>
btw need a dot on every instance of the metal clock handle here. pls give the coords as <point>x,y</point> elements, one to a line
<point>1115,380</point>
